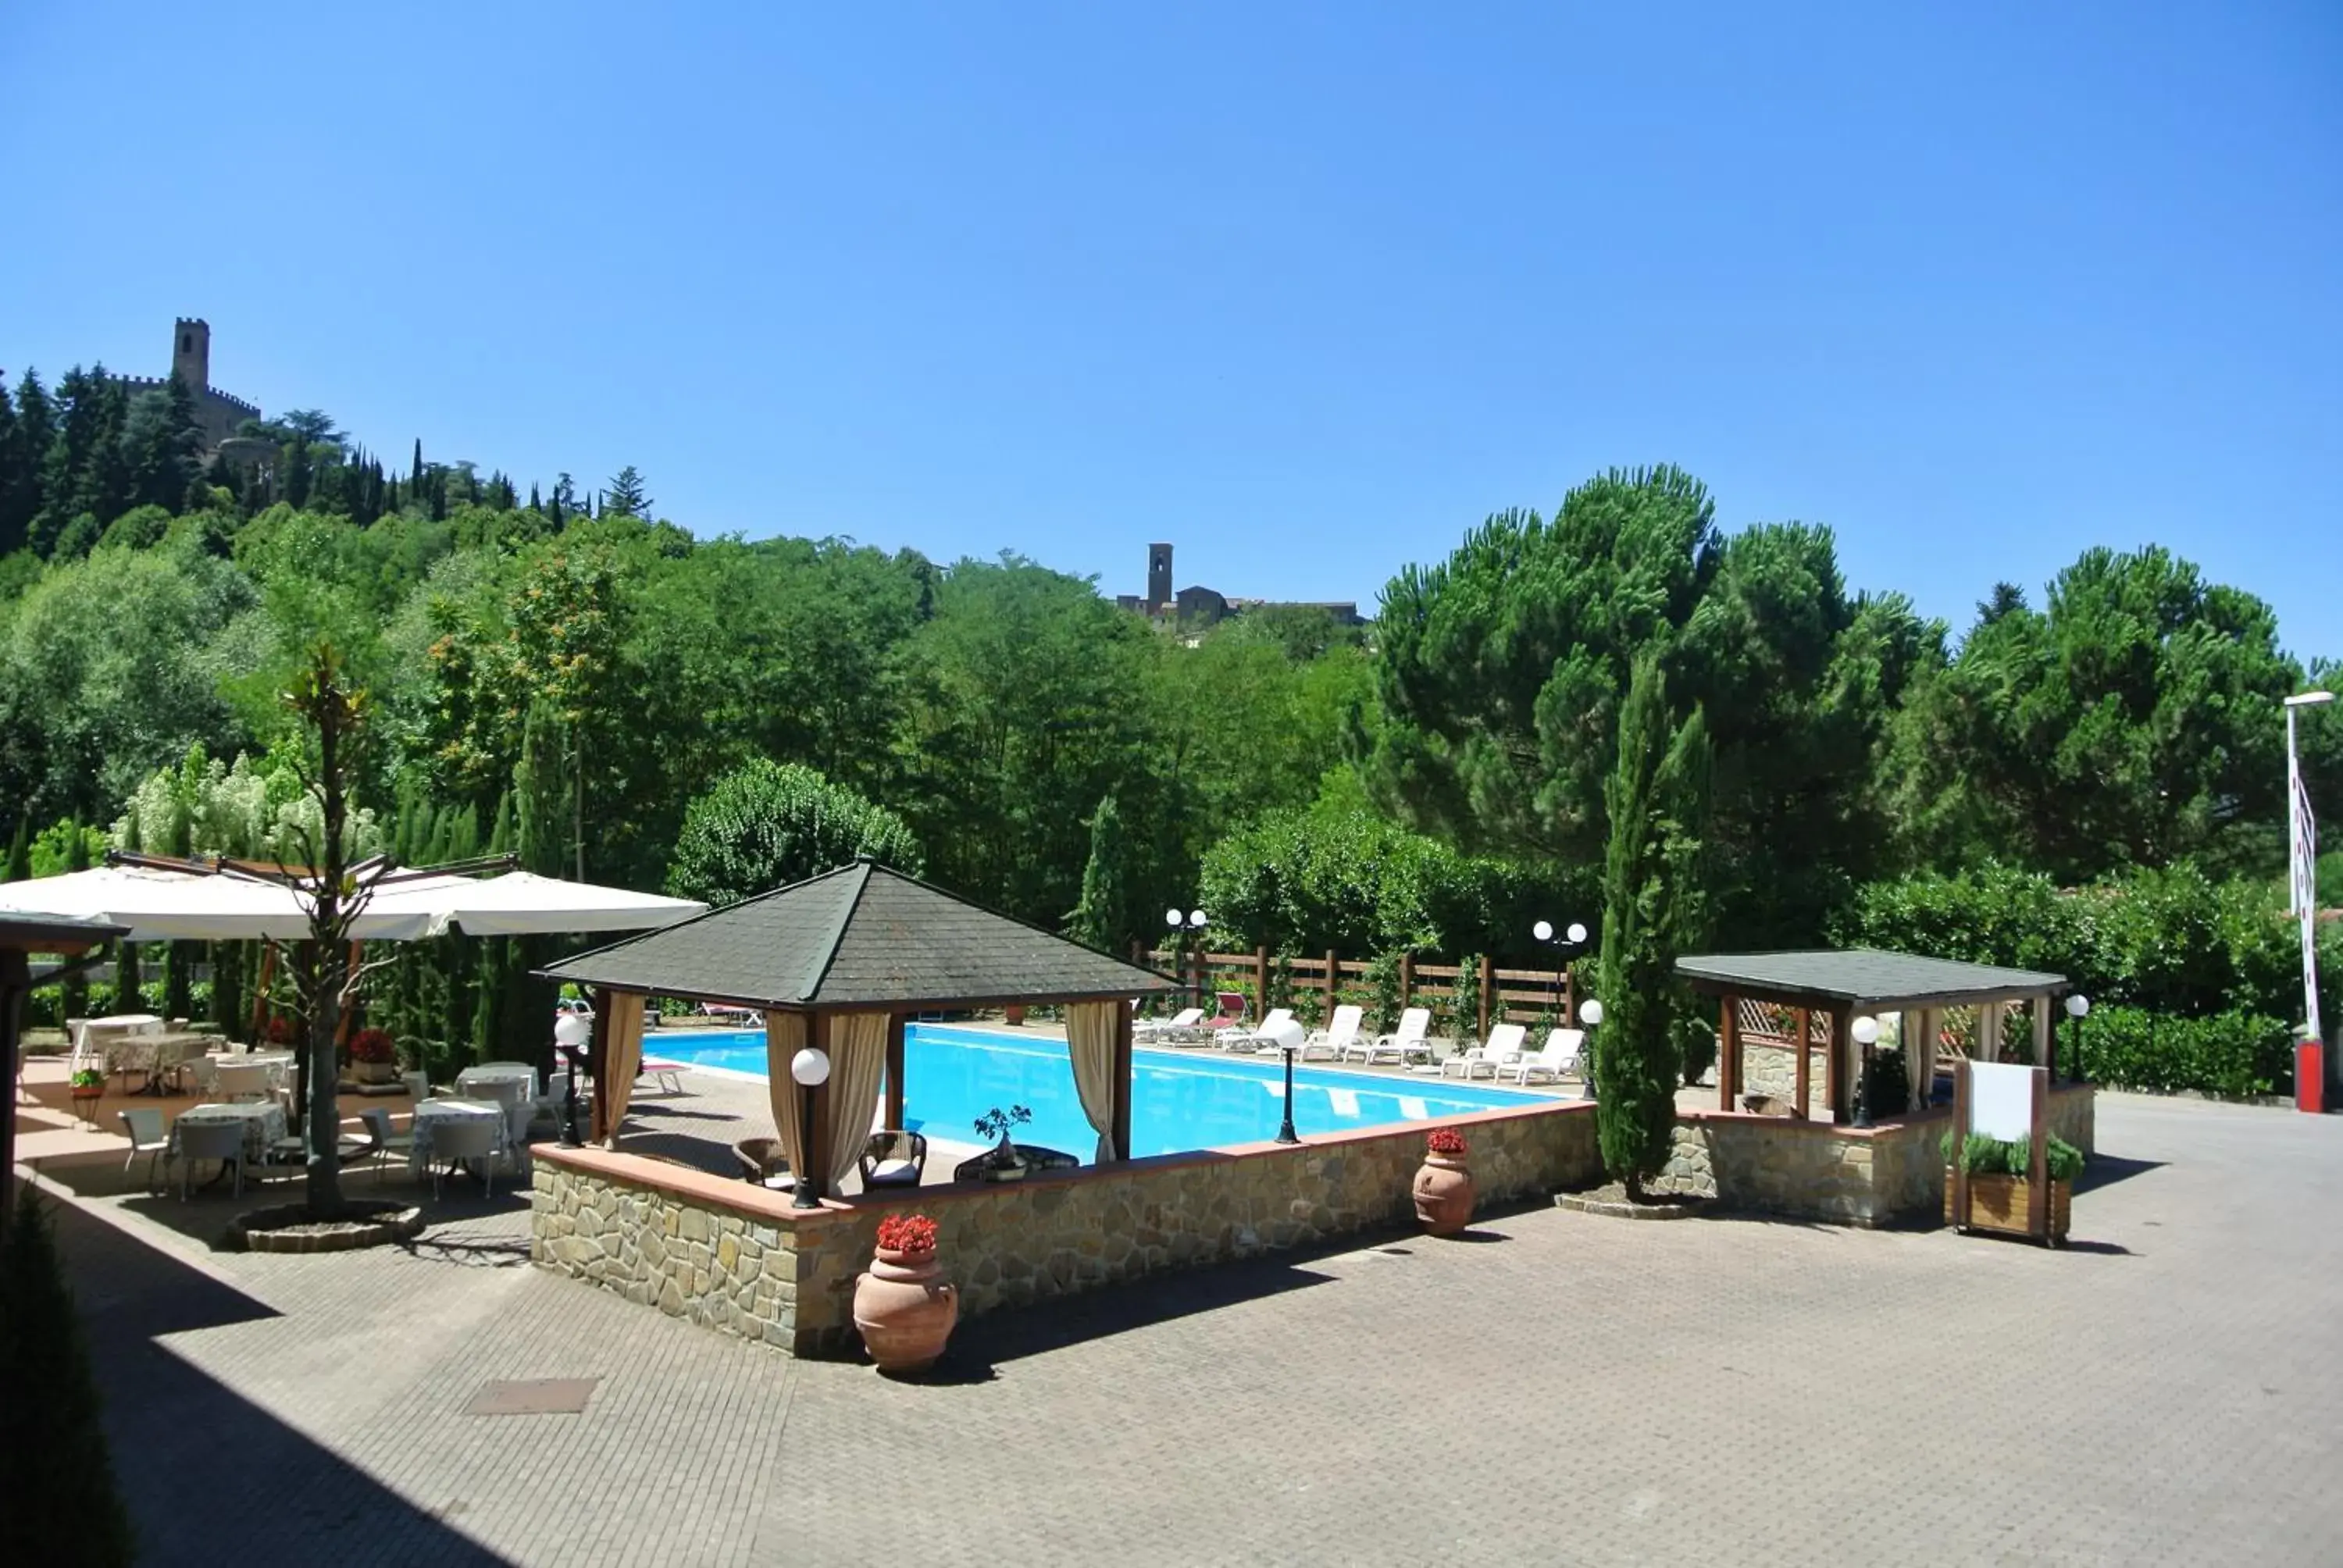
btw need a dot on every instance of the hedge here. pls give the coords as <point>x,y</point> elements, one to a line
<point>2235,1053</point>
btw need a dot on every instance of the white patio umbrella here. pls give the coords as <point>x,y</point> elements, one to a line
<point>522,903</point>
<point>179,906</point>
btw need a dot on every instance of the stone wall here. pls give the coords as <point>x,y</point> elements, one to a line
<point>737,1257</point>
<point>1848,1175</point>
<point>1774,1069</point>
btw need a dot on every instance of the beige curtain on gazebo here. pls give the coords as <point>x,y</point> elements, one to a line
<point>785,1036</point>
<point>1920,1026</point>
<point>1090,1040</point>
<point>858,1065</point>
<point>618,1085</point>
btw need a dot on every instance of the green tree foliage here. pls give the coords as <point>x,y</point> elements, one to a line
<point>767,824</point>
<point>64,1503</point>
<point>20,851</point>
<point>2134,720</point>
<point>1337,876</point>
<point>1108,917</point>
<point>1654,799</point>
<point>627,497</point>
<point>1501,672</point>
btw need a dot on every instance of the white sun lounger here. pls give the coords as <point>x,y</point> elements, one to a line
<point>1257,1039</point>
<point>1501,1050</point>
<point>1560,1056</point>
<point>1400,1045</point>
<point>1336,1037</point>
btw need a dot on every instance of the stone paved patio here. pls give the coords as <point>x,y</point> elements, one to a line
<point>1557,1389</point>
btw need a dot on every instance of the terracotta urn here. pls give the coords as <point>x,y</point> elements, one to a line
<point>905,1310</point>
<point>1443,1194</point>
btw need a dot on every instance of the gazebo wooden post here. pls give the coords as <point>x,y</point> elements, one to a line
<point>598,1061</point>
<point>1121,1120</point>
<point>1804,1022</point>
<point>818,1154</point>
<point>1839,1067</point>
<point>15,984</point>
<point>895,1069</point>
<point>1728,1053</point>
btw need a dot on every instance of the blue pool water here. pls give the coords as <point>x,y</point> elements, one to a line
<point>1180,1100</point>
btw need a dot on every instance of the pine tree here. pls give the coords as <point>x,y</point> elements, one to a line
<point>163,444</point>
<point>14,471</point>
<point>1656,798</point>
<point>626,496</point>
<point>63,1506</point>
<point>20,495</point>
<point>1102,919</point>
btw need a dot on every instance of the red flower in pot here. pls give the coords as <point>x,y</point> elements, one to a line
<point>903,1308</point>
<point>372,1046</point>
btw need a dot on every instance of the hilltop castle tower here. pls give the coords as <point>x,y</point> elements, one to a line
<point>1158,578</point>
<point>216,412</point>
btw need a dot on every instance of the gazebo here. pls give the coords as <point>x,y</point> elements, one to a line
<point>1825,991</point>
<point>838,963</point>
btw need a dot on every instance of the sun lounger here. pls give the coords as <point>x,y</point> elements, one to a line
<point>1336,1037</point>
<point>1403,1044</point>
<point>1186,1021</point>
<point>1257,1039</point>
<point>1559,1056</point>
<point>1501,1050</point>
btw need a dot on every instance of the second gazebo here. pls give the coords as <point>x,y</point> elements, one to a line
<point>838,963</point>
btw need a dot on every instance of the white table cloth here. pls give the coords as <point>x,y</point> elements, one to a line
<point>475,1081</point>
<point>432,1113</point>
<point>278,1062</point>
<point>263,1124</point>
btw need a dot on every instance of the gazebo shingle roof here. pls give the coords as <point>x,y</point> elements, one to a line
<point>861,936</point>
<point>1863,975</point>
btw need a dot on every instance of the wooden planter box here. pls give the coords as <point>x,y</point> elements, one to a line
<point>2000,1202</point>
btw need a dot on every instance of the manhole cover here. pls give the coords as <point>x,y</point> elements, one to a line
<point>537,1396</point>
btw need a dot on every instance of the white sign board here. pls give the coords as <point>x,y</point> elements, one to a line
<point>2001,1100</point>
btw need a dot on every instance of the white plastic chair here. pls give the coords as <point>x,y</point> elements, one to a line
<point>1256,1039</point>
<point>1406,1040</point>
<point>1336,1037</point>
<point>459,1138</point>
<point>1501,1050</point>
<point>146,1136</point>
<point>1559,1056</point>
<point>244,1080</point>
<point>385,1142</point>
<point>221,1140</point>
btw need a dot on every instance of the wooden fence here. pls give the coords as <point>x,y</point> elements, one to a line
<point>1460,1001</point>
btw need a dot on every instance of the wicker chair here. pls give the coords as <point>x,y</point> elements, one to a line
<point>894,1157</point>
<point>761,1159</point>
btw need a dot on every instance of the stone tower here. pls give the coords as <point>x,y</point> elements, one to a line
<point>1158,578</point>
<point>191,354</point>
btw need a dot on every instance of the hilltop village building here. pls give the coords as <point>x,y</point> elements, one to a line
<point>1198,606</point>
<point>217,413</point>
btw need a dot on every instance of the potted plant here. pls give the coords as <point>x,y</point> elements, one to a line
<point>2001,1183</point>
<point>1444,1186</point>
<point>902,1307</point>
<point>1002,1163</point>
<point>87,1088</point>
<point>373,1059</point>
<point>280,1031</point>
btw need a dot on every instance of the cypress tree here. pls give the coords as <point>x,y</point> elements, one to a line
<point>414,475</point>
<point>1102,919</point>
<point>73,990</point>
<point>1656,796</point>
<point>20,851</point>
<point>63,1506</point>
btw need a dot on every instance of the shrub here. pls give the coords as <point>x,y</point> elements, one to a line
<point>1984,1156</point>
<point>767,824</point>
<point>2235,1053</point>
<point>372,1046</point>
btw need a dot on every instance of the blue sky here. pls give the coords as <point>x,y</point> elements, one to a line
<point>1307,289</point>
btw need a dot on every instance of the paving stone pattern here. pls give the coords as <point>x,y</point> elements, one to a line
<point>1557,1388</point>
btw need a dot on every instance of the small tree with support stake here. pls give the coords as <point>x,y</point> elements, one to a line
<point>1656,798</point>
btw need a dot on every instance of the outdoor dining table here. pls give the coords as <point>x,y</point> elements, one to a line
<point>432,1113</point>
<point>475,1081</point>
<point>263,1124</point>
<point>279,1064</point>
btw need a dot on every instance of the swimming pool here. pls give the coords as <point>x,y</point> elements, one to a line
<point>1180,1100</point>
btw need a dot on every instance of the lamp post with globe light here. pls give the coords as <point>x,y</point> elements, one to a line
<point>1187,927</point>
<point>810,1068</point>
<point>1287,1036</point>
<point>1591,1015</point>
<point>1865,1032</point>
<point>571,1033</point>
<point>2078,1008</point>
<point>1568,943</point>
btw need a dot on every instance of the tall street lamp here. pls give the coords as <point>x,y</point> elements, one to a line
<point>1187,927</point>
<point>2302,886</point>
<point>571,1033</point>
<point>810,1068</point>
<point>2078,1008</point>
<point>1568,943</point>
<point>1592,1015</point>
